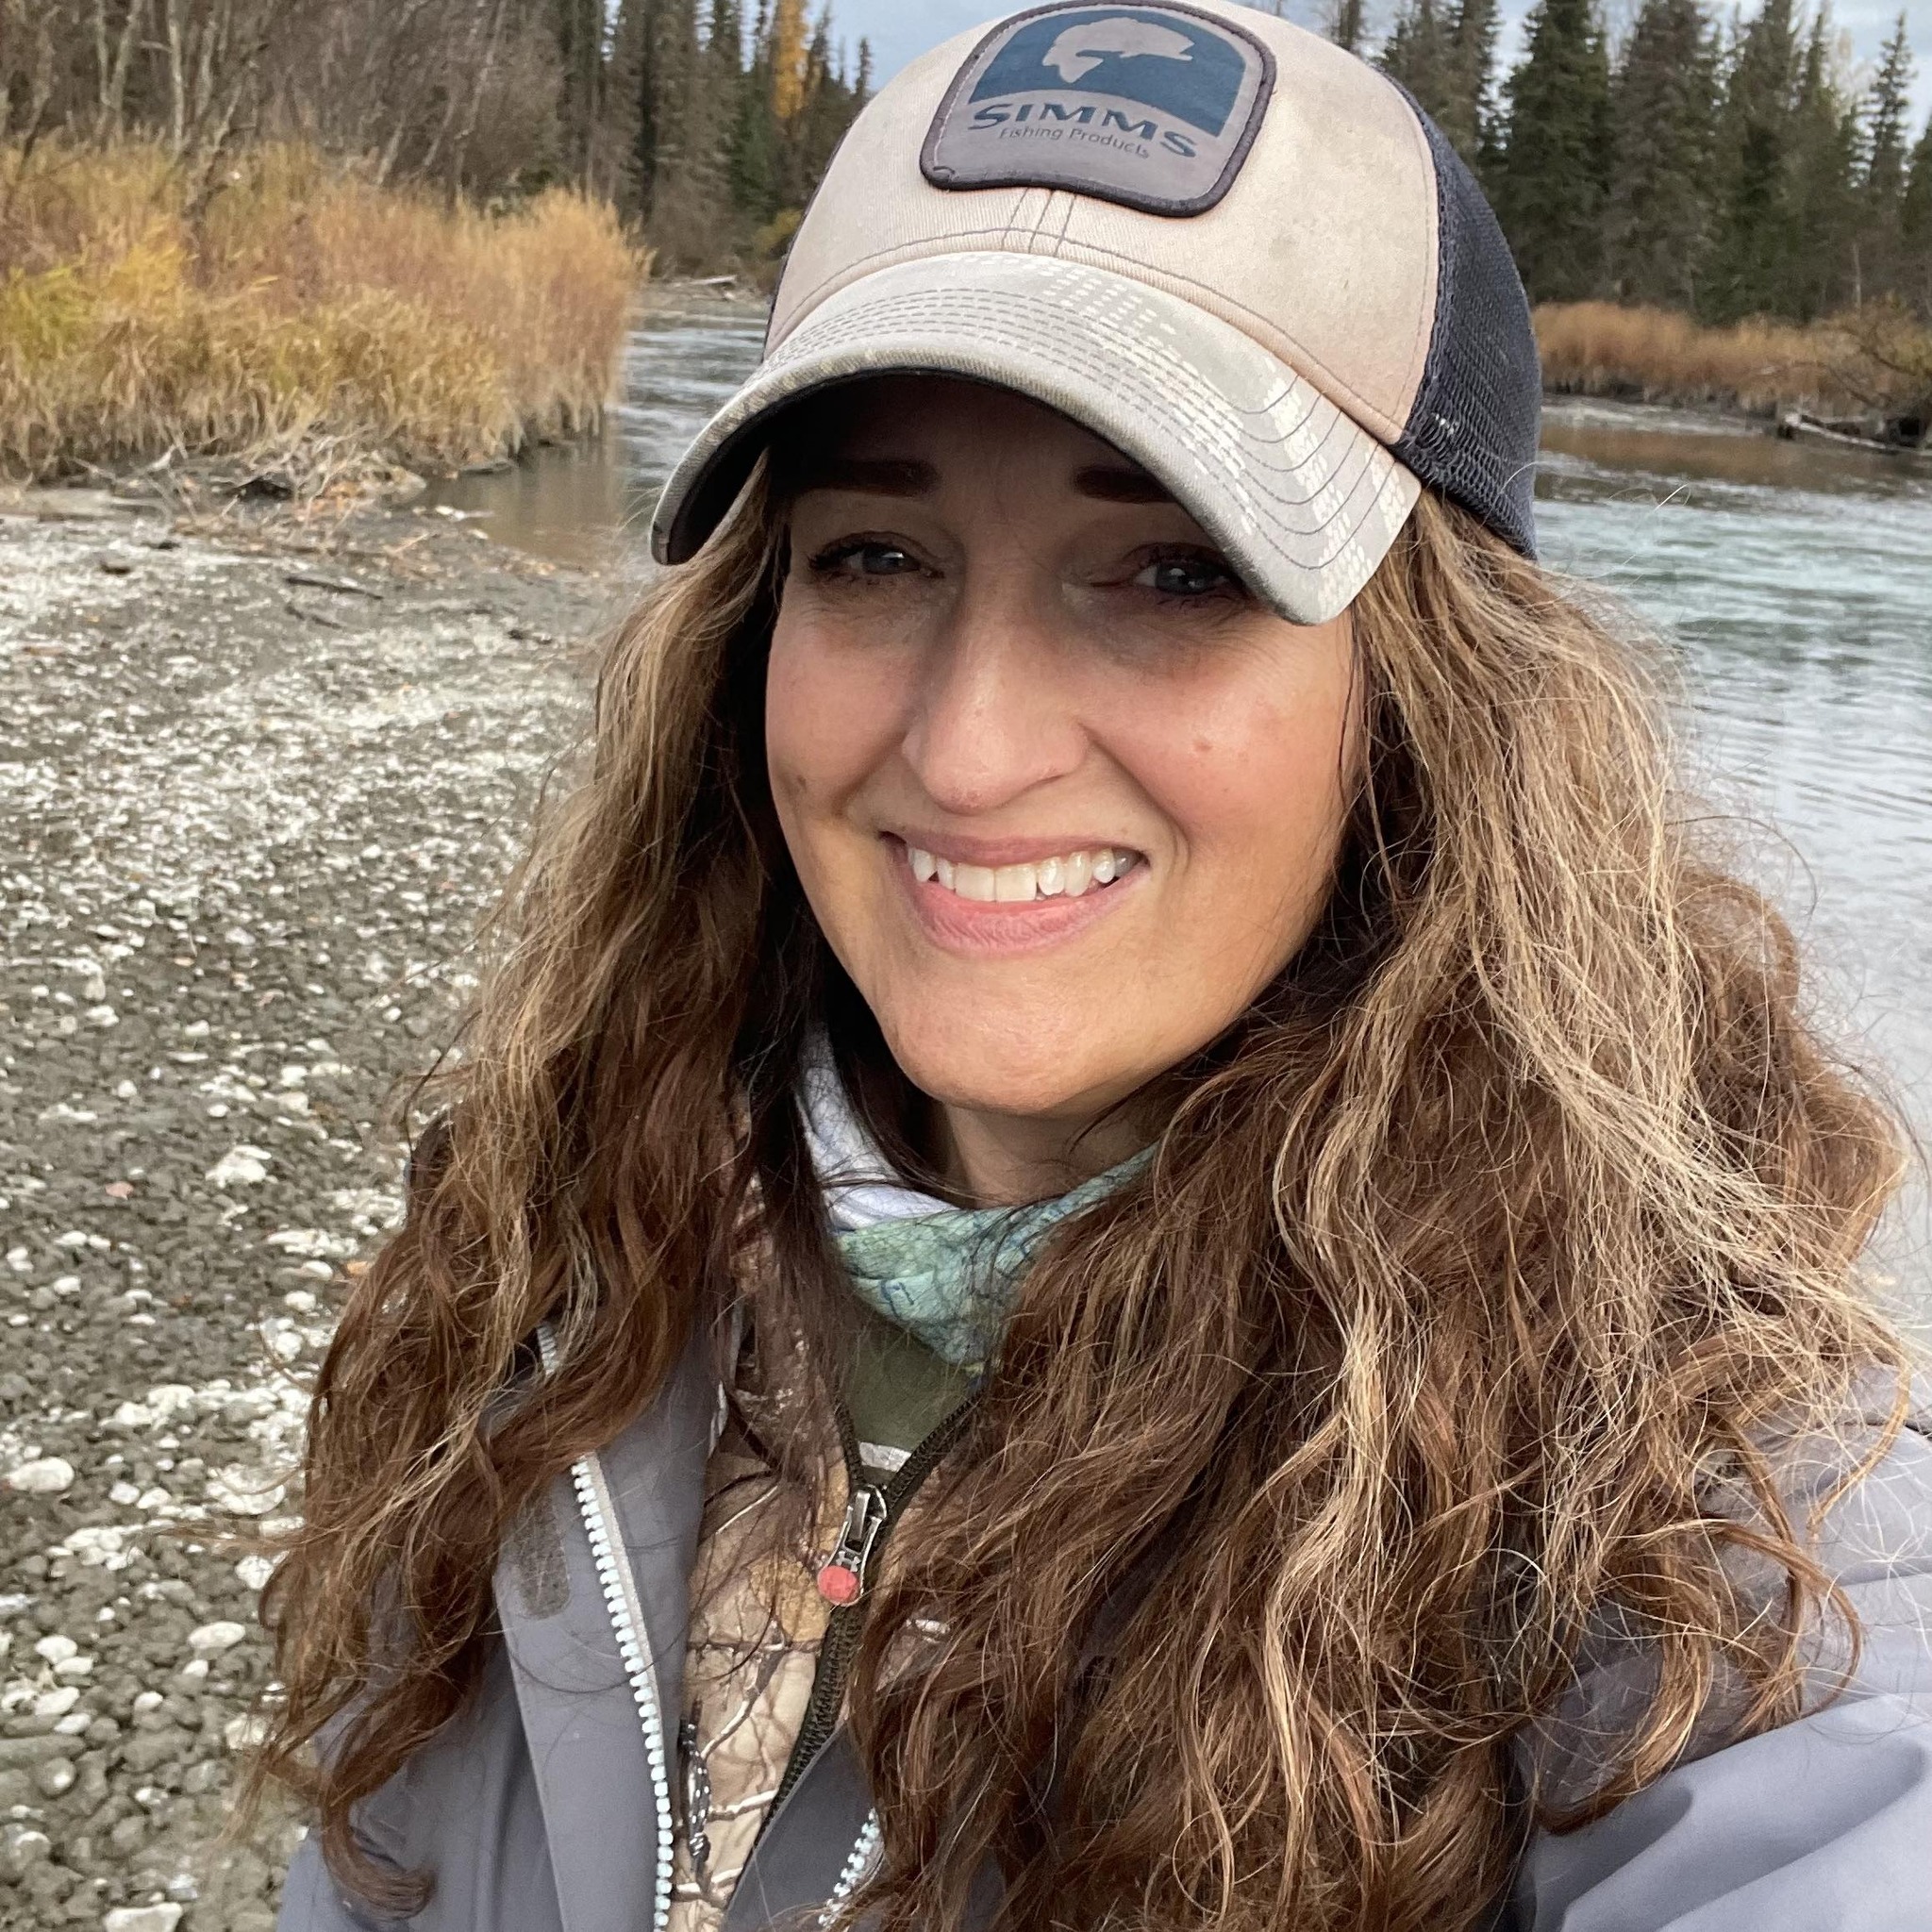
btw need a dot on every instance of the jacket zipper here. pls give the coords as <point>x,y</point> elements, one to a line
<point>857,1869</point>
<point>870,1516</point>
<point>626,1616</point>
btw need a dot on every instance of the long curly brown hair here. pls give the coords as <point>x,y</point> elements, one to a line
<point>1472,1263</point>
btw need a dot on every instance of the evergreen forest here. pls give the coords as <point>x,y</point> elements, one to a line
<point>1723,166</point>
<point>1693,158</point>
<point>1697,161</point>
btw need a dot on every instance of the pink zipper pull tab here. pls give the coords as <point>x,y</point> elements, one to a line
<point>841,1575</point>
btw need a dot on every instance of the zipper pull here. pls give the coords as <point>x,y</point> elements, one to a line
<point>841,1575</point>
<point>697,1796</point>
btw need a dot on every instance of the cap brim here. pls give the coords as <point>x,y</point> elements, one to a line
<point>1303,500</point>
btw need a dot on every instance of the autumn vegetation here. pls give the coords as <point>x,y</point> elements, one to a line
<point>303,315</point>
<point>1873,363</point>
<point>327,239</point>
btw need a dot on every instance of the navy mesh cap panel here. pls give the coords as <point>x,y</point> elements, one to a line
<point>1472,432</point>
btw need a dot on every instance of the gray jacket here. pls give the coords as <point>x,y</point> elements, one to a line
<point>546,1807</point>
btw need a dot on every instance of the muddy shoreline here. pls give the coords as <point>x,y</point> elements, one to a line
<point>262,775</point>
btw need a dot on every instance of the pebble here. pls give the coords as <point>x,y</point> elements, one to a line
<point>190,899</point>
<point>158,1918</point>
<point>241,1167</point>
<point>46,1475</point>
<point>21,1846</point>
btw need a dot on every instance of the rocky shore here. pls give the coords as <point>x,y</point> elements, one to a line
<point>258,782</point>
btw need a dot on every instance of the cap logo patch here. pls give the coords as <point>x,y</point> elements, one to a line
<point>1154,107</point>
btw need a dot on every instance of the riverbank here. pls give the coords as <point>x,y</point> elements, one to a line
<point>263,777</point>
<point>1868,374</point>
<point>303,327</point>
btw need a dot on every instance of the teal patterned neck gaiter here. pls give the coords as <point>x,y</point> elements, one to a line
<point>948,1275</point>
<point>951,1278</point>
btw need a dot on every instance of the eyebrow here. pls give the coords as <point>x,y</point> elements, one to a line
<point>1121,483</point>
<point>867,475</point>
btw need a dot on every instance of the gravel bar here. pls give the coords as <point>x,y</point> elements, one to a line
<point>257,786</point>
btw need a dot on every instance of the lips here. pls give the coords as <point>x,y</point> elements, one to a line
<point>1005,900</point>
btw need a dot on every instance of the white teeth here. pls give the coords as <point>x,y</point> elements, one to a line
<point>1072,875</point>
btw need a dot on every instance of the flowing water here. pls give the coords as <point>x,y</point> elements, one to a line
<point>1795,580</point>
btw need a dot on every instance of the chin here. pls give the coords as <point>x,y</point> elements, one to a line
<point>998,1071</point>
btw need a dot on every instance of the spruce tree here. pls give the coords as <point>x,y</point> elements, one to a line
<point>755,144</point>
<point>1750,256</point>
<point>1664,98</point>
<point>1472,117</point>
<point>657,42</point>
<point>579,26</point>
<point>1346,25</point>
<point>1882,188</point>
<point>1446,60</point>
<point>1915,229</point>
<point>823,114</point>
<point>1887,106</point>
<point>710,111</point>
<point>1416,54</point>
<point>1553,174</point>
<point>1820,202</point>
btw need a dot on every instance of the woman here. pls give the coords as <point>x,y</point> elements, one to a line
<point>1133,1237</point>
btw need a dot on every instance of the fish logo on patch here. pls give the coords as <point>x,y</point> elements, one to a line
<point>1154,107</point>
<point>1078,51</point>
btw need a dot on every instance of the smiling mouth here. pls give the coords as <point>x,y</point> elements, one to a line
<point>1069,875</point>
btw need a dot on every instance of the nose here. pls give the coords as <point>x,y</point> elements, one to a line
<point>994,716</point>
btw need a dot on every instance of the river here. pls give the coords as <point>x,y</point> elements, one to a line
<point>1795,580</point>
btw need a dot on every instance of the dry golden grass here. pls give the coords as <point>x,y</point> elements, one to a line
<point>1840,366</point>
<point>304,307</point>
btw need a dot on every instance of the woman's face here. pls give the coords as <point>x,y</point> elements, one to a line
<point>1063,796</point>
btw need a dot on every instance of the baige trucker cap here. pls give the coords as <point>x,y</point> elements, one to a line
<point>1242,255</point>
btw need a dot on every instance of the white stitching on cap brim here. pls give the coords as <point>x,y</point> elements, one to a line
<point>1303,499</point>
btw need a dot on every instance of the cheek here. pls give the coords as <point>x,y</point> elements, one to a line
<point>832,723</point>
<point>1258,788</point>
<point>828,720</point>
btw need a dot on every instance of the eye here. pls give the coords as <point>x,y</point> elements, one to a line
<point>1190,573</point>
<point>865,557</point>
